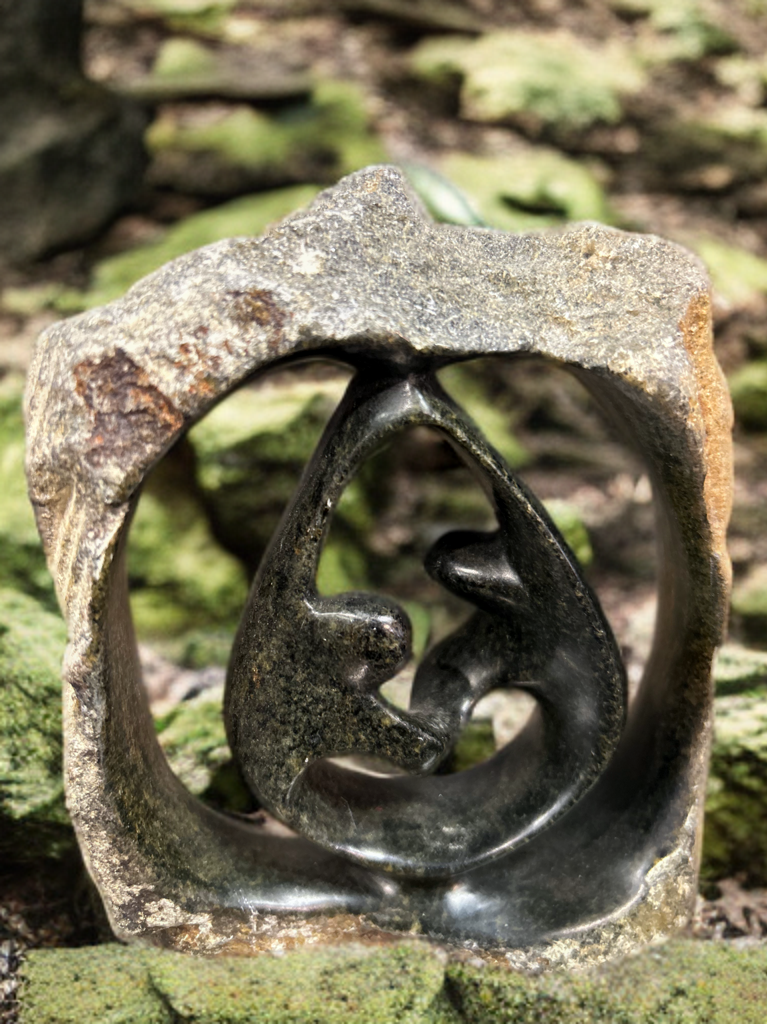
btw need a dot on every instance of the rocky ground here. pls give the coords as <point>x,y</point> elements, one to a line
<point>650,115</point>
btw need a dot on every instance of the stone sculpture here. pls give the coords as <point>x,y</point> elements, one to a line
<point>578,841</point>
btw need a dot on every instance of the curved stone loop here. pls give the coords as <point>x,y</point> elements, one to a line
<point>362,274</point>
<point>305,669</point>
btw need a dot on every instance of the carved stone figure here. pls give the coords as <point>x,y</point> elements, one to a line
<point>576,842</point>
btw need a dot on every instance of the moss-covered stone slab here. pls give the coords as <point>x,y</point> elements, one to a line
<point>547,78</point>
<point>241,149</point>
<point>749,595</point>
<point>685,982</point>
<point>113,985</point>
<point>534,188</point>
<point>735,833</point>
<point>186,68</point>
<point>679,983</point>
<point>748,387</point>
<point>22,563</point>
<point>33,819</point>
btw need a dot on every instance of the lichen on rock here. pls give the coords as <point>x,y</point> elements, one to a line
<point>683,982</point>
<point>33,819</point>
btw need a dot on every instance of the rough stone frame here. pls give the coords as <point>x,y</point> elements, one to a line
<point>364,269</point>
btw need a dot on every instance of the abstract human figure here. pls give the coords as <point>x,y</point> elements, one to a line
<point>305,671</point>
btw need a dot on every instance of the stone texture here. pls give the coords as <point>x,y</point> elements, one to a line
<point>364,274</point>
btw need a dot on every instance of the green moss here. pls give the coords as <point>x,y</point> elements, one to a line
<point>205,17</point>
<point>683,982</point>
<point>690,28</point>
<point>475,745</point>
<point>392,985</point>
<point>735,836</point>
<point>739,670</point>
<point>111,985</point>
<point>470,385</point>
<point>247,216</point>
<point>181,579</point>
<point>251,451</point>
<point>325,138</point>
<point>749,605</point>
<point>193,738</point>
<point>738,276</point>
<point>33,819</point>
<point>204,647</point>
<point>97,984</point>
<point>748,389</point>
<point>679,983</point>
<point>533,189</point>
<point>551,78</point>
<point>243,137</point>
<point>567,519</point>
<point>22,563</point>
<point>179,58</point>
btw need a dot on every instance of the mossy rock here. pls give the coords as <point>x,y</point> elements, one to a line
<point>186,69</point>
<point>251,451</point>
<point>111,984</point>
<point>181,579</point>
<point>749,605</point>
<point>33,818</point>
<point>740,670</point>
<point>532,189</point>
<point>748,388</point>
<point>193,737</point>
<point>686,29</point>
<point>22,562</point>
<point>678,983</point>
<point>106,984</point>
<point>546,78</point>
<point>682,982</point>
<point>203,17</point>
<point>733,135</point>
<point>318,139</point>
<point>739,277</point>
<point>735,834</point>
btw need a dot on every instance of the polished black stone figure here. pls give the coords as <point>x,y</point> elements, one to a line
<point>305,670</point>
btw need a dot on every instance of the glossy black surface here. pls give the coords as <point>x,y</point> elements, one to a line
<point>305,671</point>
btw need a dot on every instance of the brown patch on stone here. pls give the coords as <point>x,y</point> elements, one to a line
<point>715,412</point>
<point>129,413</point>
<point>258,306</point>
<point>275,935</point>
<point>198,363</point>
<point>373,182</point>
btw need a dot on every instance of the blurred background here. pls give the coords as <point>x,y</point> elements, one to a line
<point>132,131</point>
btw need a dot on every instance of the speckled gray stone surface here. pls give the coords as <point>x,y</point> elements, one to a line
<point>363,275</point>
